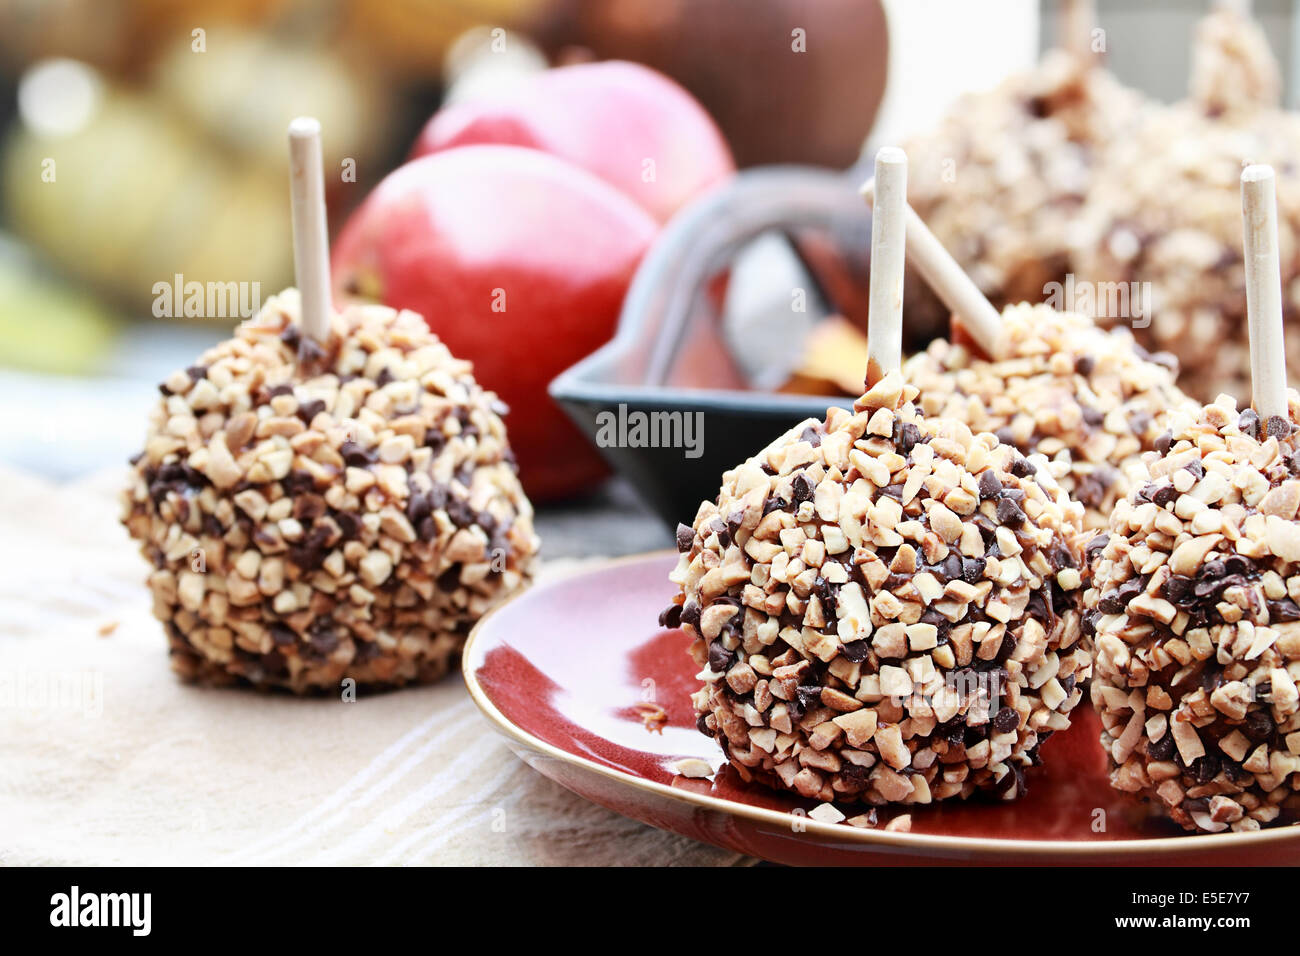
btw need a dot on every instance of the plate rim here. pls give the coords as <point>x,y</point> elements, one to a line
<point>867,837</point>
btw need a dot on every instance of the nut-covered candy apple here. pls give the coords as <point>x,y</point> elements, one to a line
<point>884,604</point>
<point>325,496</point>
<point>351,520</point>
<point>1194,599</point>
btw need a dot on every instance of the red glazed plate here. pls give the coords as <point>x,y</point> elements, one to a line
<point>588,691</point>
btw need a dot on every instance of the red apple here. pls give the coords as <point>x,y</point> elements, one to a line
<point>519,262</point>
<point>631,126</point>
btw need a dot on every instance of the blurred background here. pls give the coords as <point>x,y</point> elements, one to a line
<point>144,139</point>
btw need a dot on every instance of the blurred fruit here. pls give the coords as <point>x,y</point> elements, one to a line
<point>113,189</point>
<point>634,128</point>
<point>120,36</point>
<point>44,325</point>
<point>744,62</point>
<point>246,88</point>
<point>410,36</point>
<point>834,357</point>
<point>519,261</point>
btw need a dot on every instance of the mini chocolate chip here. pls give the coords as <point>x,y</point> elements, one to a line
<point>1007,720</point>
<point>1165,495</point>
<point>1181,591</point>
<point>1040,606</point>
<point>1139,422</point>
<point>291,335</point>
<point>702,725</point>
<point>1277,427</point>
<point>1234,771</point>
<point>196,372</point>
<point>809,694</point>
<point>1282,611</point>
<point>449,580</point>
<point>1259,725</point>
<point>353,454</point>
<point>828,594</point>
<point>348,523</point>
<point>1090,622</point>
<point>1111,603</point>
<point>1164,443</point>
<point>855,652</point>
<point>1238,564</point>
<point>720,659</point>
<point>972,569</point>
<point>282,635</point>
<point>802,488</point>
<point>1204,769</point>
<point>310,353</point>
<point>894,491</point>
<point>1085,365</point>
<point>811,434</point>
<point>1195,468</point>
<point>906,435</point>
<point>990,486</point>
<point>774,503</point>
<point>384,377</point>
<point>1013,778</point>
<point>460,513</point>
<point>855,777</point>
<point>1007,648</point>
<point>1009,513</point>
<point>685,538</point>
<point>691,614</point>
<point>1095,546</point>
<point>1248,422</point>
<point>1089,491</point>
<point>1021,468</point>
<point>1161,749</point>
<point>310,409</point>
<point>1091,416</point>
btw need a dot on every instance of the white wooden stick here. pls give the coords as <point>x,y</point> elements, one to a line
<point>1263,291</point>
<point>952,285</point>
<point>1078,18</point>
<point>310,235</point>
<point>888,255</point>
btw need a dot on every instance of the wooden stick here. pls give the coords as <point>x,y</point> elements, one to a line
<point>888,252</point>
<point>310,236</point>
<point>1263,292</point>
<point>952,285</point>
<point>1078,18</point>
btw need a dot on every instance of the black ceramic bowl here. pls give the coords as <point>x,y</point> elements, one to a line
<point>669,374</point>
